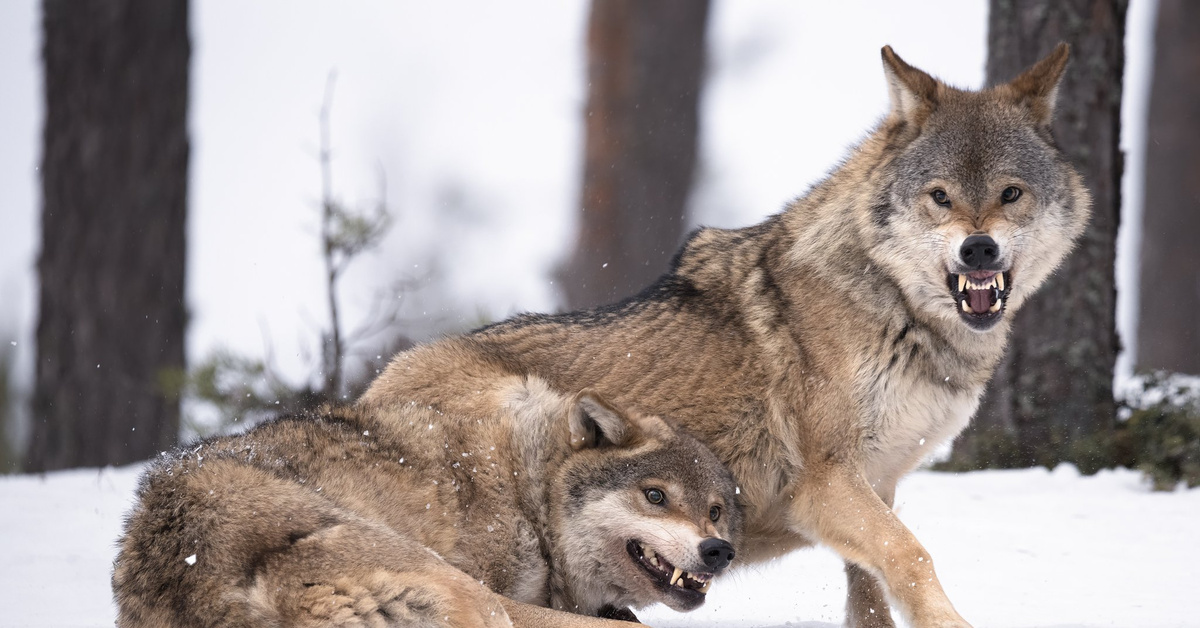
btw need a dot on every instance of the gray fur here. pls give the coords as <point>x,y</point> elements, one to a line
<point>411,515</point>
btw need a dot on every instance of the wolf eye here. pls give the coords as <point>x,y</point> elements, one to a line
<point>714,513</point>
<point>939,197</point>
<point>1010,194</point>
<point>655,496</point>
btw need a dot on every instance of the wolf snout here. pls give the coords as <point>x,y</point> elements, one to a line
<point>979,252</point>
<point>716,553</point>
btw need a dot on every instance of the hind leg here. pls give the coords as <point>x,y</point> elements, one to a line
<point>866,604</point>
<point>233,546</point>
<point>359,574</point>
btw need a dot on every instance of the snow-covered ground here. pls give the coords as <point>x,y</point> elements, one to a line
<point>1014,548</point>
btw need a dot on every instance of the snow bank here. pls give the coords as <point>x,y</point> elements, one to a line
<point>1014,549</point>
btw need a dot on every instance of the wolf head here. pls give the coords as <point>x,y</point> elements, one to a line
<point>642,512</point>
<point>975,204</point>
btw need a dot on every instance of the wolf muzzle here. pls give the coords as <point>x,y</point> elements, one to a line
<point>980,252</point>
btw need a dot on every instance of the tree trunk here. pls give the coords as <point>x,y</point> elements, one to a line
<point>1051,399</point>
<point>645,66</point>
<point>114,184</point>
<point>1169,308</point>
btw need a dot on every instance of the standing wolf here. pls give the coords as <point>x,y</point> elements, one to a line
<point>824,353</point>
<point>409,516</point>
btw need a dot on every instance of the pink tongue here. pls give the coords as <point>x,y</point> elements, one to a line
<point>980,300</point>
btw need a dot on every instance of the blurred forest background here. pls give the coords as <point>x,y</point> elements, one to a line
<point>215,211</point>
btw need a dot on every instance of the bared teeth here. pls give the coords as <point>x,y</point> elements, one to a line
<point>995,281</point>
<point>676,577</point>
<point>679,577</point>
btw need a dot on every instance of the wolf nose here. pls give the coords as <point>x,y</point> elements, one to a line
<point>979,252</point>
<point>716,553</point>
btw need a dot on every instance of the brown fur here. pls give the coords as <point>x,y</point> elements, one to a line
<point>408,515</point>
<point>821,354</point>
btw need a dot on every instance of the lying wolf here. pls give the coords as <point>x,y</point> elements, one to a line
<point>824,353</point>
<point>410,516</point>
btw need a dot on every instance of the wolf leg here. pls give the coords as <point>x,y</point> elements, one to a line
<point>866,604</point>
<point>866,600</point>
<point>838,507</point>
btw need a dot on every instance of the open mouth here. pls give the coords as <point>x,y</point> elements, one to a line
<point>687,586</point>
<point>980,296</point>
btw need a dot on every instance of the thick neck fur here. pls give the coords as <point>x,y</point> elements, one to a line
<point>540,443</point>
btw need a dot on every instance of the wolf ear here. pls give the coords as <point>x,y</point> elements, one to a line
<point>1037,87</point>
<point>595,423</point>
<point>913,93</point>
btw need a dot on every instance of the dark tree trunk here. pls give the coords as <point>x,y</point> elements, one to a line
<point>1051,399</point>
<point>114,184</point>
<point>1169,309</point>
<point>645,66</point>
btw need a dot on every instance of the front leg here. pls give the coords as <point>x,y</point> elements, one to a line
<point>835,505</point>
<point>866,601</point>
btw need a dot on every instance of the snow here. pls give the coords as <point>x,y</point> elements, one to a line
<point>1013,549</point>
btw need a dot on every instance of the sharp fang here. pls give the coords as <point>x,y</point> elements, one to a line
<point>648,552</point>
<point>996,306</point>
<point>1000,281</point>
<point>965,306</point>
<point>675,576</point>
<point>704,587</point>
<point>962,283</point>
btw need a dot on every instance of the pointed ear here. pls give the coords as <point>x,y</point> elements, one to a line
<point>595,423</point>
<point>1037,87</point>
<point>913,93</point>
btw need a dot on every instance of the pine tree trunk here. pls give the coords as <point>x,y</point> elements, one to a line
<point>645,66</point>
<point>111,318</point>
<point>1169,308</point>
<point>1051,398</point>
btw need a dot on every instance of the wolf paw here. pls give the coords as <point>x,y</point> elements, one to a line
<point>619,614</point>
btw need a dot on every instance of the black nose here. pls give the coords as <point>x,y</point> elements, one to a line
<point>979,252</point>
<point>716,553</point>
